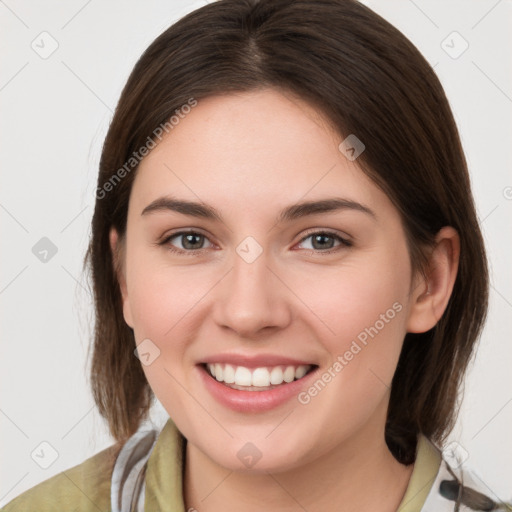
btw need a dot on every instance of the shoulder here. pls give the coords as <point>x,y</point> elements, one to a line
<point>458,488</point>
<point>465,491</point>
<point>83,487</point>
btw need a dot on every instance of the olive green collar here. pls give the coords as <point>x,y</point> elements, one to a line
<point>164,473</point>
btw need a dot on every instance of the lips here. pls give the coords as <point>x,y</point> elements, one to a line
<point>255,384</point>
<point>255,361</point>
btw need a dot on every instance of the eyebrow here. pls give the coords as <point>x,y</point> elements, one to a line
<point>292,212</point>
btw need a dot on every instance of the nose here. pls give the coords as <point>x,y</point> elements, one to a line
<point>252,298</point>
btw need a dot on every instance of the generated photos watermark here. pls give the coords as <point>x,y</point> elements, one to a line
<point>144,150</point>
<point>357,345</point>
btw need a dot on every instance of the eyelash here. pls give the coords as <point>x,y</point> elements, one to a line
<point>195,252</point>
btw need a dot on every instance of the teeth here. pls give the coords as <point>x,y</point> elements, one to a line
<point>289,374</point>
<point>261,377</point>
<point>229,374</point>
<point>243,376</point>
<point>258,377</point>
<point>218,372</point>
<point>276,375</point>
<point>301,371</point>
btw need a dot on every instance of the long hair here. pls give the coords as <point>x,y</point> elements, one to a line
<point>367,78</point>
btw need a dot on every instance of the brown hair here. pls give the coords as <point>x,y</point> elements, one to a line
<point>368,79</point>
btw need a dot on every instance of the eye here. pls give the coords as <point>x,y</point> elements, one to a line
<point>190,241</point>
<point>193,241</point>
<point>323,242</point>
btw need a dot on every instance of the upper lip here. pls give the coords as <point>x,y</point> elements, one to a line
<point>255,361</point>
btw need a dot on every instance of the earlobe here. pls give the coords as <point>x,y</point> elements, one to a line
<point>117,249</point>
<point>431,295</point>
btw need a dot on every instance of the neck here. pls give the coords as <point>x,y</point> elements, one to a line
<point>360,475</point>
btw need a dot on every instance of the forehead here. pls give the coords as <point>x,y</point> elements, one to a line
<point>251,150</point>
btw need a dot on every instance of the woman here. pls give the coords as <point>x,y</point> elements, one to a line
<point>285,253</point>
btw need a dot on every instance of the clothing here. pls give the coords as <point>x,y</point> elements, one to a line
<point>146,475</point>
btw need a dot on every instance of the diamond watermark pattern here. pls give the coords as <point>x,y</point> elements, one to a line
<point>44,455</point>
<point>351,147</point>
<point>44,250</point>
<point>147,352</point>
<point>44,45</point>
<point>454,45</point>
<point>249,455</point>
<point>455,455</point>
<point>249,249</point>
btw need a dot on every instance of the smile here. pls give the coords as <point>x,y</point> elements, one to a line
<point>256,379</point>
<point>257,387</point>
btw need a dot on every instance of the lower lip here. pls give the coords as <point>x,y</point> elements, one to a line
<point>253,401</point>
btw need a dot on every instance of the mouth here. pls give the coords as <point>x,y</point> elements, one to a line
<point>249,389</point>
<point>263,378</point>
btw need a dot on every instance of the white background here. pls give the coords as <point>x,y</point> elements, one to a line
<point>55,113</point>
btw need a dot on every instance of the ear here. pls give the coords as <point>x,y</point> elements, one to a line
<point>118,250</point>
<point>431,294</point>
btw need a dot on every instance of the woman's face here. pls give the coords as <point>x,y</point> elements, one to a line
<point>264,284</point>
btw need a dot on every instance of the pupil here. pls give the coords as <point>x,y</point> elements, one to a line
<point>320,238</point>
<point>188,239</point>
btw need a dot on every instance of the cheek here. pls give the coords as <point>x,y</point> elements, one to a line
<point>166,303</point>
<point>162,301</point>
<point>162,297</point>
<point>354,302</point>
<point>363,313</point>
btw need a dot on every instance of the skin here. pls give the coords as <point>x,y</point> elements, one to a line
<point>250,155</point>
